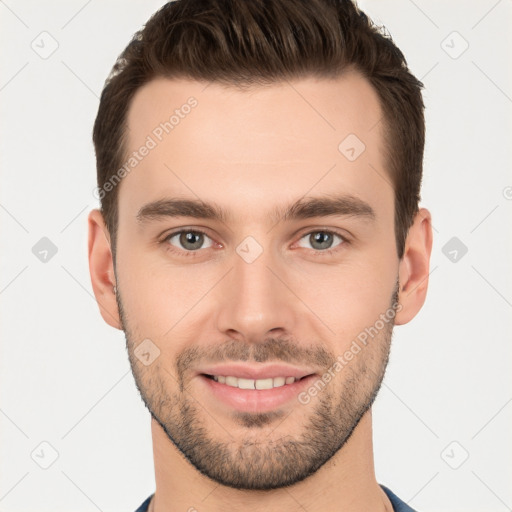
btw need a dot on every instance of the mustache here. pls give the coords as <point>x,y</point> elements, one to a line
<point>271,349</point>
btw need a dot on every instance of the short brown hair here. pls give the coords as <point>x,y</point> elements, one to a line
<point>260,42</point>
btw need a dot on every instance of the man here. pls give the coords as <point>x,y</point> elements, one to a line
<point>259,168</point>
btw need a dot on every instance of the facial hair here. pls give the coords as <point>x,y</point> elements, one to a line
<point>259,462</point>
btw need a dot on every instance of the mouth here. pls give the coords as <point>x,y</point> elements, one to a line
<point>262,393</point>
<point>243,383</point>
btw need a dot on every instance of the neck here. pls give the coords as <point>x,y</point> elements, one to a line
<point>345,483</point>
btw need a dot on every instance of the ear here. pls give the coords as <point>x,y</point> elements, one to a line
<point>101,268</point>
<point>414,267</point>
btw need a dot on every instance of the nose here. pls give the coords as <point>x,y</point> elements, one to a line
<point>255,300</point>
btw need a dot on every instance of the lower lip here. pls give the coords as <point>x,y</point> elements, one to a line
<point>256,400</point>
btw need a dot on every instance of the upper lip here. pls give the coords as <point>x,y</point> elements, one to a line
<point>255,371</point>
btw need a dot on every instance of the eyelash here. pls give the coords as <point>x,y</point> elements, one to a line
<point>192,254</point>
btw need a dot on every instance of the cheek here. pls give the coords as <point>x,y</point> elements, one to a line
<point>160,299</point>
<point>351,297</point>
<point>150,296</point>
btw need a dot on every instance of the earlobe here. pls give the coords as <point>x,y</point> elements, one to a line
<point>101,269</point>
<point>414,267</point>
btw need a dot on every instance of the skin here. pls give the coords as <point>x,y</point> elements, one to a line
<point>250,152</point>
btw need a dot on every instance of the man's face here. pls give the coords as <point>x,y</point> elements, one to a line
<point>257,294</point>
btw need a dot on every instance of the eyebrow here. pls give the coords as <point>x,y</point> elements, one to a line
<point>304,208</point>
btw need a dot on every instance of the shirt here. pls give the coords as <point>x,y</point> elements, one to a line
<point>398,504</point>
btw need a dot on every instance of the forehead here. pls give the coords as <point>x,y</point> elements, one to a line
<point>246,148</point>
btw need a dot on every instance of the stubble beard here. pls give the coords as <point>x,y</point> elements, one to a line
<point>261,460</point>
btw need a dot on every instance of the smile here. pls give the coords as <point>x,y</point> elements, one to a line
<point>254,395</point>
<point>241,383</point>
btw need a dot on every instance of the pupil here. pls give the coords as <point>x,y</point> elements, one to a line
<point>191,240</point>
<point>323,239</point>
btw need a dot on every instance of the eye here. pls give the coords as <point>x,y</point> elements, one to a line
<point>189,240</point>
<point>322,240</point>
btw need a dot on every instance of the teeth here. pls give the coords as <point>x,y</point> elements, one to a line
<point>264,383</point>
<point>241,383</point>
<point>279,381</point>
<point>246,383</point>
<point>232,381</point>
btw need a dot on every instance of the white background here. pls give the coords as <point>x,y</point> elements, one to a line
<point>65,376</point>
